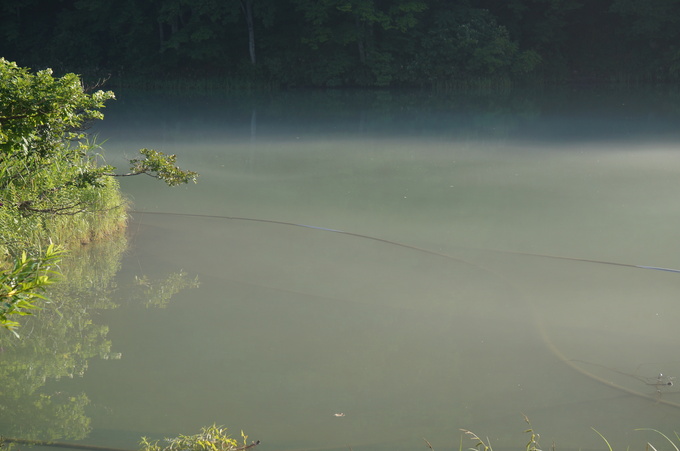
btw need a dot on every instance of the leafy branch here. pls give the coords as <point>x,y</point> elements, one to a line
<point>159,165</point>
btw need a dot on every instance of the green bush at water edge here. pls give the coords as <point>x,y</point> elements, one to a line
<point>54,187</point>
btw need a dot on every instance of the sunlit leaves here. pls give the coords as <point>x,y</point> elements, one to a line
<point>39,112</point>
<point>162,166</point>
<point>43,153</point>
<point>24,283</point>
<point>212,438</point>
<point>50,168</point>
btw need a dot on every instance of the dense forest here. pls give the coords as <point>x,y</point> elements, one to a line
<point>340,43</point>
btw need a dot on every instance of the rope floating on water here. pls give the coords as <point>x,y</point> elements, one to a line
<point>572,364</point>
<point>293,224</point>
<point>396,243</point>
<point>541,328</point>
<point>587,260</point>
<point>544,335</point>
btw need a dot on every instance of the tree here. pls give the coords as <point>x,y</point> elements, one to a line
<point>367,15</point>
<point>48,171</point>
<point>266,12</point>
<point>652,30</point>
<point>365,26</point>
<point>196,32</point>
<point>542,26</point>
<point>47,163</point>
<point>465,44</point>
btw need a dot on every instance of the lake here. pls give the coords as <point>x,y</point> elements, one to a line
<point>365,270</point>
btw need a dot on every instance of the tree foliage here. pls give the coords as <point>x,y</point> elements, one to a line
<point>49,166</point>
<point>652,40</point>
<point>42,118</point>
<point>346,42</point>
<point>467,43</point>
<point>161,166</point>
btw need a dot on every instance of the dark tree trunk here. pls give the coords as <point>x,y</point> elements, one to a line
<point>247,7</point>
<point>361,32</point>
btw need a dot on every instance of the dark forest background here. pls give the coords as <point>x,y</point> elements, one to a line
<point>343,43</point>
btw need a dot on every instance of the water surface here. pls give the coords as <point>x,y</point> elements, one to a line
<point>427,314</point>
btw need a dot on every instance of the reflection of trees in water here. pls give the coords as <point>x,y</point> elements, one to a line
<point>57,343</point>
<point>158,292</point>
<point>61,338</point>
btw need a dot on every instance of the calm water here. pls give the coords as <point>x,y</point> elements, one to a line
<point>426,313</point>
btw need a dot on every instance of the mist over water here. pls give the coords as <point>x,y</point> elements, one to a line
<point>428,315</point>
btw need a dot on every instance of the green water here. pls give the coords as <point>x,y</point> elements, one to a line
<point>426,316</point>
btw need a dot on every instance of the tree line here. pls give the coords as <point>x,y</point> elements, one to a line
<point>349,42</point>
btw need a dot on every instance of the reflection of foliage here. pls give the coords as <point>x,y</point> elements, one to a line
<point>213,438</point>
<point>58,342</point>
<point>89,275</point>
<point>21,286</point>
<point>61,338</point>
<point>47,417</point>
<point>158,292</point>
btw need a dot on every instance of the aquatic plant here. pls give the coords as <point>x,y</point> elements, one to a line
<point>677,437</point>
<point>211,438</point>
<point>24,283</point>
<point>480,445</point>
<point>532,444</point>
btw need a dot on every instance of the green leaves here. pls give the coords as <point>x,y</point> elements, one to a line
<point>39,112</point>
<point>21,286</point>
<point>161,166</point>
<point>44,156</point>
<point>212,438</point>
<point>50,168</point>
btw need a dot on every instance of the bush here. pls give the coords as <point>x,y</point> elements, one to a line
<point>50,181</point>
<point>213,438</point>
<point>53,185</point>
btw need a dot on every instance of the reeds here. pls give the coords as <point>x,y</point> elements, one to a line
<point>481,445</point>
<point>650,446</point>
<point>532,444</point>
<point>101,213</point>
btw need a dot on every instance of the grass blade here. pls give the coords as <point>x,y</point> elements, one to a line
<point>605,440</point>
<point>662,435</point>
